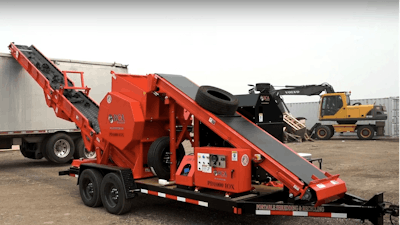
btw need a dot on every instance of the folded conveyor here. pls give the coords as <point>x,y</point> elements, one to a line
<point>82,102</point>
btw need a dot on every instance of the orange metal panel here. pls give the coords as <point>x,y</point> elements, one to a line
<point>183,177</point>
<point>234,178</point>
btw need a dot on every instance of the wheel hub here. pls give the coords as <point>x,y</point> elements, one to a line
<point>365,132</point>
<point>89,189</point>
<point>114,194</point>
<point>90,155</point>
<point>167,157</point>
<point>62,148</point>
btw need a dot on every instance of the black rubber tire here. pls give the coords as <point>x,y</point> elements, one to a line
<point>365,132</point>
<point>157,154</point>
<point>89,187</point>
<point>43,148</point>
<point>332,130</point>
<point>217,100</point>
<point>81,152</point>
<point>26,150</point>
<point>323,132</point>
<point>79,149</point>
<point>62,142</point>
<point>113,195</point>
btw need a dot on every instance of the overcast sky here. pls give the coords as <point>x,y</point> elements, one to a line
<point>353,45</point>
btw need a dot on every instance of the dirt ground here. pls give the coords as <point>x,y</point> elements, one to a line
<point>31,192</point>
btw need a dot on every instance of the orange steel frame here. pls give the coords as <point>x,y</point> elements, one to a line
<point>55,98</point>
<point>86,89</point>
<point>176,101</point>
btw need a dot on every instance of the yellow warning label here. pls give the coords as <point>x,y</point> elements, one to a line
<point>234,156</point>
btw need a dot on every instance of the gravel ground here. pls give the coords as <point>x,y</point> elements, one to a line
<point>31,192</point>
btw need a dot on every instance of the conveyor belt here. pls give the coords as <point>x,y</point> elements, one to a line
<point>265,142</point>
<point>56,79</point>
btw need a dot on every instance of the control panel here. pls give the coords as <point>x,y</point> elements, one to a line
<point>206,161</point>
<point>226,169</point>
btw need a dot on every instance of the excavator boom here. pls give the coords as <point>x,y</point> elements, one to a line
<point>306,89</point>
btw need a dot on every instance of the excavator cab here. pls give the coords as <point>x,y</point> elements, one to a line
<point>331,105</point>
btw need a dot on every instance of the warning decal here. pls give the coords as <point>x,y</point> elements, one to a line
<point>245,160</point>
<point>234,156</point>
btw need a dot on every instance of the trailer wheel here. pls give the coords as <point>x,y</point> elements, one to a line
<point>89,187</point>
<point>113,195</point>
<point>323,132</point>
<point>44,148</point>
<point>60,148</point>
<point>365,132</point>
<point>158,157</point>
<point>217,100</point>
<point>28,150</point>
<point>81,151</point>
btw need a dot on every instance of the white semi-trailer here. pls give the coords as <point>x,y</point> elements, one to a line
<point>27,121</point>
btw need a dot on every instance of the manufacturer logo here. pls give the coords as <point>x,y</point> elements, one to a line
<point>110,118</point>
<point>220,173</point>
<point>117,118</point>
<point>292,92</point>
<point>264,98</point>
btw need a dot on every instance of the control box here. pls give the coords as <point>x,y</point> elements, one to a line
<point>225,169</point>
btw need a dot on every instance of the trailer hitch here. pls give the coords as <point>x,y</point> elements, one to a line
<point>383,208</point>
<point>393,210</point>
